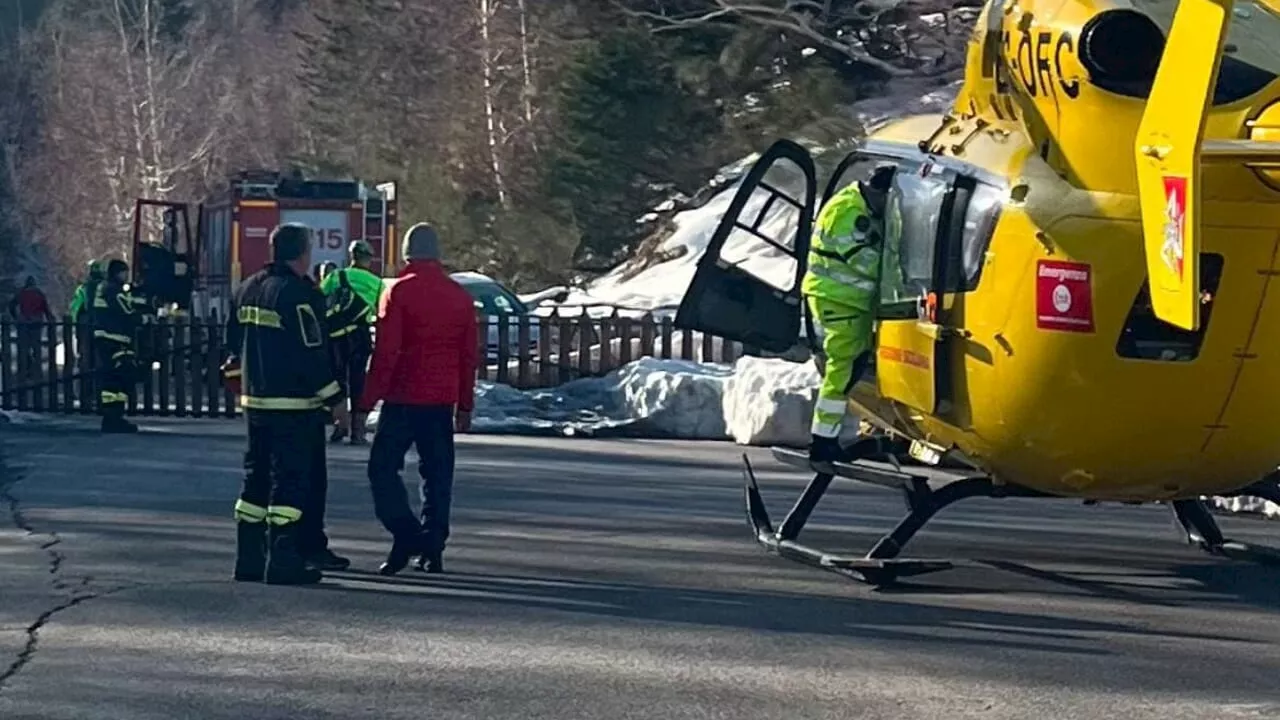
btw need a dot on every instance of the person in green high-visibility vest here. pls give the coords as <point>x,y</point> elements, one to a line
<point>352,295</point>
<point>842,289</point>
<point>82,300</point>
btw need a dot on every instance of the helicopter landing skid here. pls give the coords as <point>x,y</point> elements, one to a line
<point>881,565</point>
<point>1201,529</point>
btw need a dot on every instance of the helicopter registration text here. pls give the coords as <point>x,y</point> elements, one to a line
<point>1064,296</point>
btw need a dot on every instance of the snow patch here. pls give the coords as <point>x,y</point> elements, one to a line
<point>1251,505</point>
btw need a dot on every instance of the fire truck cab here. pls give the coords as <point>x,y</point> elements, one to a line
<point>234,227</point>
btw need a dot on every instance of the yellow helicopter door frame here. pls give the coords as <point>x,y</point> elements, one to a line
<point>1168,149</point>
<point>921,233</point>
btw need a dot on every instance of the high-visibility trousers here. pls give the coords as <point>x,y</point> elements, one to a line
<point>847,342</point>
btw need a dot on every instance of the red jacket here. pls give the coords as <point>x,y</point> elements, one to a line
<point>426,350</point>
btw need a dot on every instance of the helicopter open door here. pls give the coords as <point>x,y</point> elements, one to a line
<point>747,285</point>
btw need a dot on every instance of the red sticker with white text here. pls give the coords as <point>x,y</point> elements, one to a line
<point>1064,296</point>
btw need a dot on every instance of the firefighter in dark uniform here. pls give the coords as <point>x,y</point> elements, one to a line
<point>116,315</point>
<point>276,326</point>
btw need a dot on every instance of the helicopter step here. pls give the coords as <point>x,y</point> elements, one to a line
<point>924,496</point>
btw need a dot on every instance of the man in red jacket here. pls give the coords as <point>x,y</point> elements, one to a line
<point>423,370</point>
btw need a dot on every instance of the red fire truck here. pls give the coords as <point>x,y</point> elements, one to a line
<point>234,226</point>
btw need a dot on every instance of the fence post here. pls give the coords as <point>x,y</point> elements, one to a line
<point>585,332</point>
<point>68,366</point>
<point>667,331</point>
<point>148,348</point>
<point>522,360</point>
<point>686,344</point>
<point>183,333</point>
<point>49,332</point>
<point>6,353</point>
<point>544,351</point>
<point>504,348</point>
<point>624,340</point>
<point>564,366</point>
<point>606,345</point>
<point>646,336</point>
<point>29,341</point>
<point>167,355</point>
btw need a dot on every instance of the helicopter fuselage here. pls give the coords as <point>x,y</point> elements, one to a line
<point>1051,371</point>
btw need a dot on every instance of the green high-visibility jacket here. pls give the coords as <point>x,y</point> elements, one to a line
<point>844,254</point>
<point>365,284</point>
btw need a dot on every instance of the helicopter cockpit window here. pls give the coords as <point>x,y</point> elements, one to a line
<point>979,222</point>
<point>1251,54</point>
<point>912,213</point>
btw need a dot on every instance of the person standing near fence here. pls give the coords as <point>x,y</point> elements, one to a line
<point>424,373</point>
<point>116,316</point>
<point>29,307</point>
<point>351,295</point>
<point>276,331</point>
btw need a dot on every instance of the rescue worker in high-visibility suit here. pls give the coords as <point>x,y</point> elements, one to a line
<point>117,313</point>
<point>276,332</point>
<point>82,299</point>
<point>352,295</point>
<point>842,289</point>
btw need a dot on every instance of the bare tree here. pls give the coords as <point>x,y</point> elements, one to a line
<point>900,38</point>
<point>131,109</point>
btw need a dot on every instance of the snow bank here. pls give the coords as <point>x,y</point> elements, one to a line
<point>770,401</point>
<point>646,398</point>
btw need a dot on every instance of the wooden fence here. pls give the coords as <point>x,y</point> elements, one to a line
<point>49,367</point>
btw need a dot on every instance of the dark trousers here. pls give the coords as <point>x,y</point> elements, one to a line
<point>116,376</point>
<point>429,428</point>
<point>351,361</point>
<point>311,536</point>
<point>279,465</point>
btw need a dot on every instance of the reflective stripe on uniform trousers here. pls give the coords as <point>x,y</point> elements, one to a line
<point>828,414</point>
<point>283,514</point>
<point>248,512</point>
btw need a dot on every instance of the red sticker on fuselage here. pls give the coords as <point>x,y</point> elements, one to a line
<point>1064,296</point>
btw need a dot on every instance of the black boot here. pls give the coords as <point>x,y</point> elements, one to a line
<point>284,565</point>
<point>403,548</point>
<point>251,551</point>
<point>825,450</point>
<point>327,560</point>
<point>431,557</point>
<point>113,422</point>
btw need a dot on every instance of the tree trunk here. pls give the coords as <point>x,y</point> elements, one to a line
<point>490,112</point>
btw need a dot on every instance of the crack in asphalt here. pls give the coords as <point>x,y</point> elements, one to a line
<point>79,590</point>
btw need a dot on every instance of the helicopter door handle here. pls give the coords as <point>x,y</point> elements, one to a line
<point>936,332</point>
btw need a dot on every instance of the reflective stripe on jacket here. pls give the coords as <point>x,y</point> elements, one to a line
<point>276,330</point>
<point>844,254</point>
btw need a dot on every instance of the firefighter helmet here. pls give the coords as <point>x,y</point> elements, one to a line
<point>95,269</point>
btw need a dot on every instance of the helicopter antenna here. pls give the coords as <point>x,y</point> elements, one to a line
<point>1170,149</point>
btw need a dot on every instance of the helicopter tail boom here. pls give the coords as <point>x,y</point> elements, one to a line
<point>1169,149</point>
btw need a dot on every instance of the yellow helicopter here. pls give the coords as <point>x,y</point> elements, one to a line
<point>1081,296</point>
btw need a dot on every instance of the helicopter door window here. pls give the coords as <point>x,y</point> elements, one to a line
<point>912,213</point>
<point>985,202</point>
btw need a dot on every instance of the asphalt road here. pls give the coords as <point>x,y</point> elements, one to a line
<point>600,579</point>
